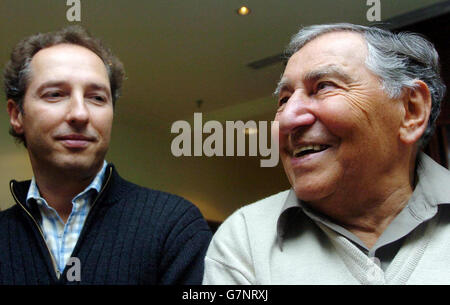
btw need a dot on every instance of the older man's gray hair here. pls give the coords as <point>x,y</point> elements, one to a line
<point>398,59</point>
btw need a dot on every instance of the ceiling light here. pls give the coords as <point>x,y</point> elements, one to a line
<point>243,11</point>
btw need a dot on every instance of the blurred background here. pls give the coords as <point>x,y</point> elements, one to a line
<point>189,56</point>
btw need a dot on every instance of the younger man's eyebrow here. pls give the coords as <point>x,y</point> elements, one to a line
<point>99,87</point>
<point>50,84</point>
<point>91,86</point>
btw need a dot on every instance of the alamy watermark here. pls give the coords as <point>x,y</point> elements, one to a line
<point>74,12</point>
<point>214,144</point>
<point>374,12</point>
<point>74,271</point>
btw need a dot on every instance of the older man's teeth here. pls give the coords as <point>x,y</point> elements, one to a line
<point>301,151</point>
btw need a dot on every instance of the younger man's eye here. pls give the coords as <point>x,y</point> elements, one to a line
<point>52,94</point>
<point>99,98</point>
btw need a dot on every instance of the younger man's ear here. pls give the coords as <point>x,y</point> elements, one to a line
<point>417,109</point>
<point>15,116</point>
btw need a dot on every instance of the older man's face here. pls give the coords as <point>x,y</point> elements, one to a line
<point>338,128</point>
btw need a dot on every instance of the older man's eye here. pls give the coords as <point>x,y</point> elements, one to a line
<point>324,85</point>
<point>283,101</point>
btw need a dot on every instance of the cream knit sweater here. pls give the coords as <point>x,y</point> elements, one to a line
<point>242,253</point>
<point>245,251</point>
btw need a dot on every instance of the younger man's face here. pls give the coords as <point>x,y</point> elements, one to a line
<point>68,110</point>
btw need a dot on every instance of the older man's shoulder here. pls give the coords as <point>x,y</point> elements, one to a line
<point>263,211</point>
<point>268,205</point>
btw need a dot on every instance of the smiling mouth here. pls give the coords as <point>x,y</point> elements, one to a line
<point>75,141</point>
<point>308,149</point>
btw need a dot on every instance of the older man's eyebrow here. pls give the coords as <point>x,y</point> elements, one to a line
<point>312,76</point>
<point>328,71</point>
<point>281,84</point>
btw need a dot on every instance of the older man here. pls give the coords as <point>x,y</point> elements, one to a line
<point>355,105</point>
<point>77,221</point>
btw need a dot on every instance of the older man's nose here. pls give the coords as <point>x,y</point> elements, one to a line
<point>77,113</point>
<point>296,113</point>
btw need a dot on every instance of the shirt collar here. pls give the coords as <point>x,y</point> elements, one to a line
<point>94,186</point>
<point>431,190</point>
<point>432,187</point>
<point>291,203</point>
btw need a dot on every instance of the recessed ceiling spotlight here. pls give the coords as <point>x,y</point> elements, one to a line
<point>243,11</point>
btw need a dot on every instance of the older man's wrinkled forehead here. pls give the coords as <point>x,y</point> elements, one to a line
<point>328,53</point>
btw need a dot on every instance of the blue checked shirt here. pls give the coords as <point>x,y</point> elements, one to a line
<point>61,238</point>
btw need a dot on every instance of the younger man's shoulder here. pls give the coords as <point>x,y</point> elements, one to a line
<point>8,213</point>
<point>162,204</point>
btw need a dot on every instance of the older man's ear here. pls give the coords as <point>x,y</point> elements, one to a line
<point>416,112</point>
